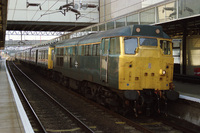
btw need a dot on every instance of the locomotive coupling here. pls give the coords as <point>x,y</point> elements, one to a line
<point>171,86</point>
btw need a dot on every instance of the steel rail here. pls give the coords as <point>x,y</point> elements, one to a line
<point>13,77</point>
<point>76,120</point>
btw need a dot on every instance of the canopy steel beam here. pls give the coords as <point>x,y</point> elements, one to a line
<point>35,33</point>
<point>45,26</point>
<point>3,20</point>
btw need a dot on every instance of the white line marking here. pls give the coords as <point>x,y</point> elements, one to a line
<point>189,98</point>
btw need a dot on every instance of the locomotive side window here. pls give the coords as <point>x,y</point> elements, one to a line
<point>40,53</point>
<point>61,51</point>
<point>98,49</point>
<point>61,61</point>
<point>82,50</point>
<point>69,51</point>
<point>46,54</point>
<point>148,42</point>
<point>86,50</point>
<point>58,51</point>
<point>79,50</point>
<point>43,54</point>
<point>73,51</point>
<point>57,61</point>
<point>165,46</point>
<point>90,50</point>
<point>66,51</point>
<point>94,50</point>
<point>114,46</point>
<point>130,45</point>
<point>106,43</point>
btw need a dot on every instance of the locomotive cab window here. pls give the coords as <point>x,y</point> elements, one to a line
<point>130,45</point>
<point>148,42</point>
<point>165,46</point>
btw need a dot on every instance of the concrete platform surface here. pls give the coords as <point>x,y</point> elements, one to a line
<point>10,121</point>
<point>11,109</point>
<point>187,89</point>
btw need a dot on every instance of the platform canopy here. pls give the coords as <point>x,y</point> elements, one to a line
<point>51,15</point>
<point>3,18</point>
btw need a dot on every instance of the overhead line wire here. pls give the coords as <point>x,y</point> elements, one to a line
<point>38,10</point>
<point>49,9</point>
<point>14,9</point>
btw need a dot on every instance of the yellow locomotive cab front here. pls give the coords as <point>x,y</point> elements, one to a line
<point>145,63</point>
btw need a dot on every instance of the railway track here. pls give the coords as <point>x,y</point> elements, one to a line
<point>98,117</point>
<point>52,118</point>
<point>50,114</point>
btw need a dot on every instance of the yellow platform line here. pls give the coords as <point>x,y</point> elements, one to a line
<point>68,130</point>
<point>64,130</point>
<point>120,122</point>
<point>153,123</point>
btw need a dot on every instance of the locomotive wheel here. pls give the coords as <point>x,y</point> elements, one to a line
<point>88,92</point>
<point>65,82</point>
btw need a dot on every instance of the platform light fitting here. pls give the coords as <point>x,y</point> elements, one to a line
<point>33,4</point>
<point>85,6</point>
<point>188,9</point>
<point>65,6</point>
<point>70,7</point>
<point>168,9</point>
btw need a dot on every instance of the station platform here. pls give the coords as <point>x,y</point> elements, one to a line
<point>12,118</point>
<point>188,91</point>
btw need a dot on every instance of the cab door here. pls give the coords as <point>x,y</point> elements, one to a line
<point>104,53</point>
<point>50,57</point>
<point>36,57</point>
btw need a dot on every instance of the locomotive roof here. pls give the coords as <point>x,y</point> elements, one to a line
<point>145,30</point>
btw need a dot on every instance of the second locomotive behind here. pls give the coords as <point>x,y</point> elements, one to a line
<point>125,68</point>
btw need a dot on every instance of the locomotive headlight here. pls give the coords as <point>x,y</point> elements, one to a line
<point>138,30</point>
<point>157,31</point>
<point>162,72</point>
